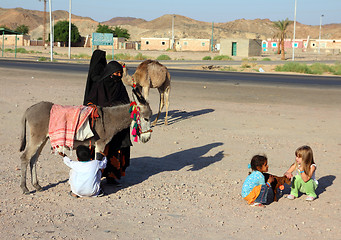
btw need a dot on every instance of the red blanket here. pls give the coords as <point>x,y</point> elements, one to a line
<point>65,122</point>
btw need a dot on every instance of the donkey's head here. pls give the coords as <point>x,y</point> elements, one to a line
<point>145,115</point>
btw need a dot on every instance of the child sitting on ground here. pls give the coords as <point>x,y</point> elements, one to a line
<point>85,174</point>
<point>255,190</point>
<point>305,180</point>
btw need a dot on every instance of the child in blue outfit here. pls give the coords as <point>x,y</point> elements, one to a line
<point>255,191</point>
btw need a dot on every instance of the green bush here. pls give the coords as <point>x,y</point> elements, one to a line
<point>207,58</point>
<point>222,57</point>
<point>266,59</point>
<point>163,57</point>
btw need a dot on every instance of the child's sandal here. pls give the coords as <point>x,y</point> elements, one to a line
<point>257,204</point>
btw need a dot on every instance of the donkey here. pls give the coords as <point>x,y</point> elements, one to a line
<point>151,74</point>
<point>111,120</point>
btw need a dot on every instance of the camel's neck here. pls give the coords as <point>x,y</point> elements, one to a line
<point>127,79</point>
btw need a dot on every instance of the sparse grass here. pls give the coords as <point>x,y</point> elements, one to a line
<point>80,56</point>
<point>316,68</point>
<point>163,57</point>
<point>207,58</point>
<point>121,56</point>
<point>222,57</point>
<point>266,59</point>
<point>229,69</point>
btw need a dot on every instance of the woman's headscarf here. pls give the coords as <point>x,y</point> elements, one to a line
<point>98,63</point>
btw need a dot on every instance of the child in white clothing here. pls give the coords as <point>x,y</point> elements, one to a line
<point>85,174</point>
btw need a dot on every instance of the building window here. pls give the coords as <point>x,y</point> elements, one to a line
<point>203,44</point>
<point>295,45</point>
<point>147,42</point>
<point>185,43</point>
<point>274,44</point>
<point>163,43</point>
<point>313,44</point>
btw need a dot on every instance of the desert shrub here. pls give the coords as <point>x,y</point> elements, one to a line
<point>293,67</point>
<point>337,69</point>
<point>163,57</point>
<point>42,59</point>
<point>222,57</point>
<point>207,58</point>
<point>139,56</point>
<point>245,65</point>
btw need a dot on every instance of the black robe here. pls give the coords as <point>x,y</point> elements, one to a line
<point>98,63</point>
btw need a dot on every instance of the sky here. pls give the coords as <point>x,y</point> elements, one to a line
<point>307,11</point>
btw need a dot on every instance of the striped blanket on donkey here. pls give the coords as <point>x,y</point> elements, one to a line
<point>64,123</point>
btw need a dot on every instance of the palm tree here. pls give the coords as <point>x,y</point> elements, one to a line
<point>282,27</point>
<point>44,22</point>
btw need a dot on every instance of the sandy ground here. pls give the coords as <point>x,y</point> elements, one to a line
<point>185,183</point>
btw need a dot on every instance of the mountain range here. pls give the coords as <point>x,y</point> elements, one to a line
<point>161,27</point>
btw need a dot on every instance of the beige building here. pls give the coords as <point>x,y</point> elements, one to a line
<point>188,44</point>
<point>9,40</point>
<point>241,47</point>
<point>182,44</point>
<point>155,43</point>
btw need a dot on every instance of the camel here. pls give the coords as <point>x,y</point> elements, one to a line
<point>111,120</point>
<point>151,74</point>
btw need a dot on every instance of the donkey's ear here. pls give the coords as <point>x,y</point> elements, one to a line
<point>140,98</point>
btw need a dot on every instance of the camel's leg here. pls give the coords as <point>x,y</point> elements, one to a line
<point>161,104</point>
<point>33,167</point>
<point>166,100</point>
<point>145,93</point>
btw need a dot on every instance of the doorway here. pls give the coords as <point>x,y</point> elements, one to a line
<point>234,48</point>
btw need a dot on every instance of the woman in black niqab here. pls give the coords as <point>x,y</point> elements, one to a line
<point>110,91</point>
<point>97,64</point>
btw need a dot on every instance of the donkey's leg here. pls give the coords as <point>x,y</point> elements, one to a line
<point>161,104</point>
<point>24,163</point>
<point>33,167</point>
<point>26,157</point>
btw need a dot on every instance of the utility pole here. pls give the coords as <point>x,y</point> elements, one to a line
<point>212,37</point>
<point>44,22</point>
<point>293,46</point>
<point>69,29</point>
<point>51,33</point>
<point>320,33</point>
<point>172,43</point>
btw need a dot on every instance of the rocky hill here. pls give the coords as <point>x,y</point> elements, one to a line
<point>184,27</point>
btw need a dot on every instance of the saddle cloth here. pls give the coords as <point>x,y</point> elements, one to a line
<point>65,122</point>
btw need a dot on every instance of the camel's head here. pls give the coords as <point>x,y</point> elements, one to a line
<point>126,78</point>
<point>142,119</point>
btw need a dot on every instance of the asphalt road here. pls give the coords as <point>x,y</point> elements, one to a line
<point>193,75</point>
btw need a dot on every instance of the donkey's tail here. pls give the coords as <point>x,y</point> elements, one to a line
<point>23,133</point>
